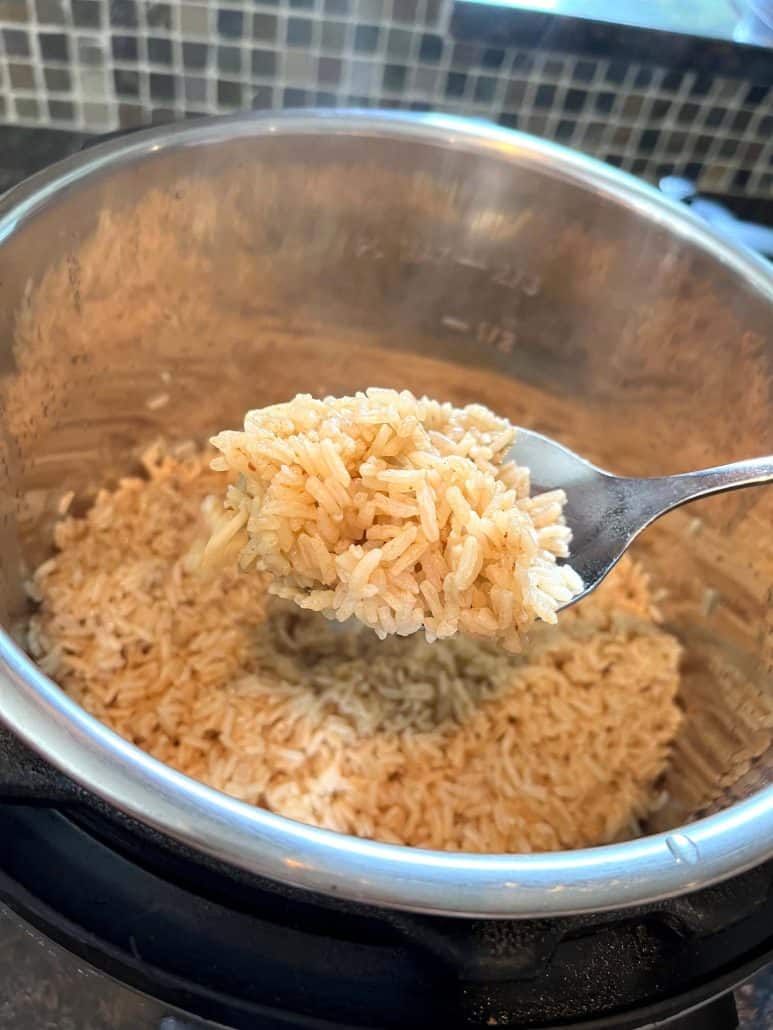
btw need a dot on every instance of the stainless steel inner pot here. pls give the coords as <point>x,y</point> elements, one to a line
<point>167,282</point>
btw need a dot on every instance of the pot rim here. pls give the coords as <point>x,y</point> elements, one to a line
<point>613,876</point>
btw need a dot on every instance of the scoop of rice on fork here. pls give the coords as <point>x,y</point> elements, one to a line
<point>400,511</point>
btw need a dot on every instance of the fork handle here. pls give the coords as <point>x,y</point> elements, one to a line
<point>667,492</point>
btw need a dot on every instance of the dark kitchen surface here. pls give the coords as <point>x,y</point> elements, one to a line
<point>42,987</point>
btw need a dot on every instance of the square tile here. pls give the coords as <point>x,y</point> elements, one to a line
<point>676,142</point>
<point>394,78</point>
<point>300,67</point>
<point>195,89</point>
<point>298,32</point>
<point>516,94</point>
<point>329,70</point>
<point>14,10</point>
<point>701,85</point>
<point>87,14</point>
<point>366,39</point>
<point>648,139</point>
<point>27,108</point>
<point>229,59</point>
<point>22,76</point>
<point>126,83</point>
<point>54,46</point>
<point>162,87</point>
<point>159,16</point>
<point>523,64</point>
<point>130,116</point>
<point>264,63</point>
<point>123,14</point>
<point>229,94</point>
<point>370,10</point>
<point>485,89</point>
<point>90,51</point>
<point>361,76</point>
<point>399,43</point>
<point>57,80</point>
<point>553,68</point>
<point>715,116</point>
<point>294,97</point>
<point>616,72</point>
<point>61,110</point>
<point>687,113</point>
<point>195,55</point>
<point>161,116</point>
<point>430,48</point>
<point>194,20</point>
<point>263,98</point>
<point>333,36</point>
<point>405,10</point>
<point>456,83</point>
<point>632,105</point>
<point>466,55</point>
<point>264,27</point>
<point>545,96</point>
<point>672,81</point>
<point>492,58</point>
<point>752,152</point>
<point>425,79</point>
<point>97,115</point>
<point>740,121</point>
<point>594,133</point>
<point>124,48</point>
<point>584,71</point>
<point>537,124</point>
<point>17,42</point>
<point>757,95</point>
<point>159,50</point>
<point>432,11</point>
<point>51,12</point>
<point>565,130</point>
<point>230,23</point>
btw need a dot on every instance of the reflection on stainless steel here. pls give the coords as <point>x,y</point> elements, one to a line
<point>606,512</point>
<point>230,264</point>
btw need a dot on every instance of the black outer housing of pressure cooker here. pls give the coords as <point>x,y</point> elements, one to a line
<point>254,954</point>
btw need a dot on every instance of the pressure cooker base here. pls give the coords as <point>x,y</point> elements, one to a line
<point>253,954</point>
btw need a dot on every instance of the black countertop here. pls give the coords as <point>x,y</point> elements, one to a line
<point>25,151</point>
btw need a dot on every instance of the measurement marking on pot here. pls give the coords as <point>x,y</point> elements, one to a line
<point>472,263</point>
<point>683,848</point>
<point>456,324</point>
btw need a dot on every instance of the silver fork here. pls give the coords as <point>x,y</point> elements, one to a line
<point>606,512</point>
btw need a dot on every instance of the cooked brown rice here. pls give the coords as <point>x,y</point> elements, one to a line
<point>401,512</point>
<point>453,745</point>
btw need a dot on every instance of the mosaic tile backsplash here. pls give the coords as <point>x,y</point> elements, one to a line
<point>99,66</point>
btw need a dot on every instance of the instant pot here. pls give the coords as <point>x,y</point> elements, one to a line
<point>162,285</point>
